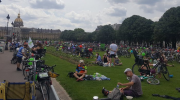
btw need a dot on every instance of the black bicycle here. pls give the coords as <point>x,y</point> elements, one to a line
<point>139,62</point>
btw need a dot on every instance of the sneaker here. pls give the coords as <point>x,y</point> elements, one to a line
<point>81,79</point>
<point>18,69</point>
<point>77,80</point>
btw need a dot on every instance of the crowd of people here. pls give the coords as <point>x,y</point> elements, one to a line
<point>22,50</point>
<point>110,58</point>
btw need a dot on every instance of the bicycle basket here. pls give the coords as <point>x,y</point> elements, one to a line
<point>43,76</point>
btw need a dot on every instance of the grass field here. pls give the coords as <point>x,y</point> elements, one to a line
<point>85,90</point>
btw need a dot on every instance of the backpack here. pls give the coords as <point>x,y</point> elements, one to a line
<point>89,77</point>
<point>100,63</point>
<point>71,74</point>
<point>115,94</point>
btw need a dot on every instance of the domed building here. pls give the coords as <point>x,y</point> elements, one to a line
<point>18,32</point>
<point>18,22</point>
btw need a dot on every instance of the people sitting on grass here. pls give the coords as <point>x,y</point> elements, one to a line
<point>98,58</point>
<point>133,88</point>
<point>117,61</point>
<point>108,57</point>
<point>105,60</point>
<point>81,71</point>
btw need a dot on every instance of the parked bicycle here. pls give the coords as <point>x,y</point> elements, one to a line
<point>147,71</point>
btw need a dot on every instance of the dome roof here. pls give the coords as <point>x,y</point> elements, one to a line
<point>18,22</point>
<point>18,19</point>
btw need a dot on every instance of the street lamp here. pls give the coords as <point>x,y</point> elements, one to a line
<point>13,31</point>
<point>6,47</point>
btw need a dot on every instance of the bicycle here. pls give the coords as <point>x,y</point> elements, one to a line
<point>1,49</point>
<point>41,76</point>
<point>31,75</point>
<point>136,68</point>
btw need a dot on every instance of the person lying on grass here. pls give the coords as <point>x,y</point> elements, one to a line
<point>117,61</point>
<point>133,88</point>
<point>81,71</point>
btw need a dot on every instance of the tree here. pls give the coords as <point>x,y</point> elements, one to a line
<point>105,34</point>
<point>135,29</point>
<point>167,28</point>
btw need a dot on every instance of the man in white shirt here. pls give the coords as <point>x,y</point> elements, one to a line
<point>113,50</point>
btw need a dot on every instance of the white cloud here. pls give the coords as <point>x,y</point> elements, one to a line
<point>117,1</point>
<point>70,14</point>
<point>47,4</point>
<point>149,6</point>
<point>156,19</point>
<point>79,18</point>
<point>85,19</point>
<point>147,2</point>
<point>116,11</point>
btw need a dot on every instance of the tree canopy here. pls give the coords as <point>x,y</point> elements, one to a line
<point>134,29</point>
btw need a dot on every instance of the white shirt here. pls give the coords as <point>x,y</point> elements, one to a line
<point>113,47</point>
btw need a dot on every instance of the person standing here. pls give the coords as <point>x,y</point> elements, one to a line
<point>20,54</point>
<point>113,50</point>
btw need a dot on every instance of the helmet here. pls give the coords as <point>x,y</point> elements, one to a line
<point>17,49</point>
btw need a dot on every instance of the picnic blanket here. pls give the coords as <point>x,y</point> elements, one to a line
<point>96,76</point>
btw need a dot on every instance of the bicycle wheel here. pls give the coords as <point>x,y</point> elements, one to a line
<point>135,69</point>
<point>153,81</point>
<point>165,72</point>
<point>25,72</point>
<point>30,77</point>
<point>124,55</point>
<point>11,61</point>
<point>23,66</point>
<point>45,91</point>
<point>128,55</point>
<point>91,55</point>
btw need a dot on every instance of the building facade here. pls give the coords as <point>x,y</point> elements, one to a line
<point>18,32</point>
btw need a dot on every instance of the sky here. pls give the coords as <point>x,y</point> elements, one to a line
<point>85,14</point>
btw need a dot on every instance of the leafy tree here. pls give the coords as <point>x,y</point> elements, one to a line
<point>105,34</point>
<point>135,29</point>
<point>168,26</point>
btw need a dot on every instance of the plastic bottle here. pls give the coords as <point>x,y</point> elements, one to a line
<point>117,86</point>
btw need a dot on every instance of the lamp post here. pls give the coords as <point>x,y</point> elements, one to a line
<point>6,47</point>
<point>12,30</point>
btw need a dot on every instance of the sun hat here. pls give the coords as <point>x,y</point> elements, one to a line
<point>81,61</point>
<point>127,69</point>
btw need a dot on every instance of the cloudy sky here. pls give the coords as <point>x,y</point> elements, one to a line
<point>86,14</point>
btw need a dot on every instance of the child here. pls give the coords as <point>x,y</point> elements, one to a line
<point>117,60</point>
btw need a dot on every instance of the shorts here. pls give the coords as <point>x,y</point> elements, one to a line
<point>130,92</point>
<point>159,69</point>
<point>19,59</point>
<point>112,56</point>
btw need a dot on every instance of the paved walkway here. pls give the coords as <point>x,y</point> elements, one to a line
<point>8,72</point>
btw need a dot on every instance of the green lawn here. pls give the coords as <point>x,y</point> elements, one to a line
<point>85,90</point>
